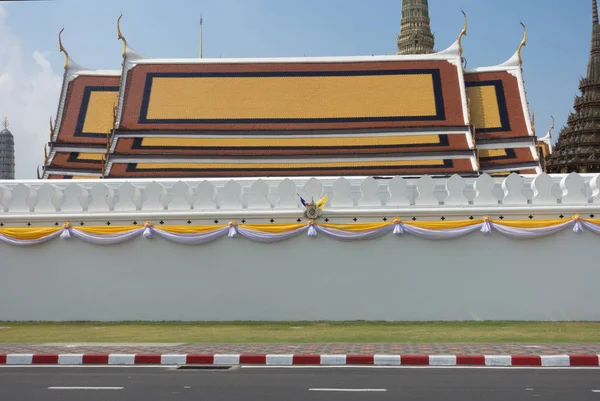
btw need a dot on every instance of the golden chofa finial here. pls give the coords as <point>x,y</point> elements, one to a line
<point>533,122</point>
<point>115,112</point>
<point>45,156</point>
<point>462,33</point>
<point>51,130</point>
<point>62,49</point>
<point>523,43</point>
<point>120,35</point>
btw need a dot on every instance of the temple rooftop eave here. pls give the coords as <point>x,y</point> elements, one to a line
<point>522,141</point>
<point>511,168</point>
<point>277,159</point>
<point>101,73</point>
<point>69,172</point>
<point>451,53</point>
<point>458,130</point>
<point>88,148</point>
<point>510,65</point>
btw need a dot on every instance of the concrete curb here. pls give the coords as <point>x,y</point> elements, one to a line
<point>292,359</point>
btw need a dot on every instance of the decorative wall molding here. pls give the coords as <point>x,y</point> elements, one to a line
<point>427,198</point>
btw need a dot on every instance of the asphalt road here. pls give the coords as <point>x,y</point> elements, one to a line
<point>165,384</point>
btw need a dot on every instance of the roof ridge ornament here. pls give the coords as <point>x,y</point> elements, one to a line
<point>120,35</point>
<point>51,130</point>
<point>462,33</point>
<point>523,42</point>
<point>62,49</point>
<point>5,123</point>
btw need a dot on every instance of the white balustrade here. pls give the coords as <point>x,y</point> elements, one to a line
<point>595,188</point>
<point>259,194</point>
<point>341,189</point>
<point>513,191</point>
<point>425,189</point>
<point>455,189</point>
<point>542,186</point>
<point>280,195</point>
<point>484,191</point>
<point>231,196</point>
<point>573,190</point>
<point>369,190</point>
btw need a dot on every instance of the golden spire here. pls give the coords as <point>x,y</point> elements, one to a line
<point>120,35</point>
<point>5,123</point>
<point>523,43</point>
<point>62,49</point>
<point>463,33</point>
<point>51,130</point>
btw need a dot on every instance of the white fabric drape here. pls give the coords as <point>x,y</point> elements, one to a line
<point>105,239</point>
<point>525,233</point>
<point>19,242</point>
<point>260,236</point>
<point>592,227</point>
<point>342,235</point>
<point>191,239</point>
<point>442,234</point>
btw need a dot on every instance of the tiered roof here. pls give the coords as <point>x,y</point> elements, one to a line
<point>384,115</point>
<point>499,112</point>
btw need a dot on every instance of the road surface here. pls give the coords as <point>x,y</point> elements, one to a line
<point>291,384</point>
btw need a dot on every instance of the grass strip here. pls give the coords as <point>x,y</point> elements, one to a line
<point>301,332</point>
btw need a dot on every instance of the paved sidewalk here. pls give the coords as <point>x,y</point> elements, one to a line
<point>305,349</point>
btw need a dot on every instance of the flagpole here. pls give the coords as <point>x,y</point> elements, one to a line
<point>200,35</point>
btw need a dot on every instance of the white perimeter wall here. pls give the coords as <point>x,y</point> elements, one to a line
<point>390,278</point>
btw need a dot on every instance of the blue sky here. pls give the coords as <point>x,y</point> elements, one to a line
<point>556,55</point>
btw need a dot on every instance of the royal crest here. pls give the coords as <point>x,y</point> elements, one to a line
<point>313,210</point>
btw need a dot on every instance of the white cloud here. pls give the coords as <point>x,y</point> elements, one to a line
<point>29,92</point>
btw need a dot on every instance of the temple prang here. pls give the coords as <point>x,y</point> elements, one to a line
<point>578,146</point>
<point>415,29</point>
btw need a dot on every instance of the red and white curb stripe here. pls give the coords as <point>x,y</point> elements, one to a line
<point>289,360</point>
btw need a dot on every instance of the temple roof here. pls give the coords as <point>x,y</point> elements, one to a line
<point>500,114</point>
<point>374,115</point>
<point>292,93</point>
<point>84,119</point>
<point>86,106</point>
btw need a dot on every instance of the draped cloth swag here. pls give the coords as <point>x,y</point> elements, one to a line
<point>270,233</point>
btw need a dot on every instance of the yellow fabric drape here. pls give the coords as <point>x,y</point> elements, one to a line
<point>272,228</point>
<point>190,229</point>
<point>443,225</point>
<point>531,223</point>
<point>108,230</point>
<point>28,233</point>
<point>356,227</point>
